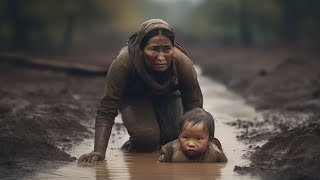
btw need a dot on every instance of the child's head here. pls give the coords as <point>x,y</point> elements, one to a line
<point>196,129</point>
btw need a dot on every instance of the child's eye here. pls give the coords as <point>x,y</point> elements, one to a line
<point>184,137</point>
<point>199,138</point>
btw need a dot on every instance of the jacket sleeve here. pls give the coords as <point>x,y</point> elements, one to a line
<point>166,152</point>
<point>188,83</point>
<point>216,153</point>
<point>114,87</point>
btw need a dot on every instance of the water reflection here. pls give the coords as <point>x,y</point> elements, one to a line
<point>144,166</point>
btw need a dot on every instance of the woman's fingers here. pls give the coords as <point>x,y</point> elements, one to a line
<point>89,158</point>
<point>83,158</point>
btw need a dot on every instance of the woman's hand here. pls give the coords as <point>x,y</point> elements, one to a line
<point>90,158</point>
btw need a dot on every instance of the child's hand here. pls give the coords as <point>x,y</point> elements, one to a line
<point>161,158</point>
<point>90,159</point>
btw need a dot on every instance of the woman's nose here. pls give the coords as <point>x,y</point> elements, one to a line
<point>161,57</point>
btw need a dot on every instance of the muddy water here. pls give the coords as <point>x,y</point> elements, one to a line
<point>223,104</point>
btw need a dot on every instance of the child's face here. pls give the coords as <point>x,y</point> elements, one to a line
<point>193,140</point>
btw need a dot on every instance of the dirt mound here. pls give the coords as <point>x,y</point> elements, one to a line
<point>292,85</point>
<point>285,88</point>
<point>290,155</point>
<point>25,139</point>
<point>290,94</point>
<point>43,114</point>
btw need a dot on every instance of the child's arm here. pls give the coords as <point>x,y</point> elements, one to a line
<point>166,153</point>
<point>221,156</point>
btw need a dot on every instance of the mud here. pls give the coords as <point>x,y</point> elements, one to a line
<point>43,113</point>
<point>284,86</point>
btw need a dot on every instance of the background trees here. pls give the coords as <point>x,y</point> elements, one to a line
<point>36,25</point>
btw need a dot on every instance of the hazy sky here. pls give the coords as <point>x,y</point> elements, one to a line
<point>175,1</point>
<point>174,11</point>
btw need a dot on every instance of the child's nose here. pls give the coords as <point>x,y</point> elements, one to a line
<point>191,144</point>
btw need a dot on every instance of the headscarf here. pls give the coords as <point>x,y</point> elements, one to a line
<point>137,55</point>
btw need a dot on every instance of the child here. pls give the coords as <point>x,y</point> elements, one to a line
<point>196,141</point>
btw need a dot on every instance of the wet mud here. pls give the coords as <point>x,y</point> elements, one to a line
<point>42,114</point>
<point>284,86</point>
<point>45,113</point>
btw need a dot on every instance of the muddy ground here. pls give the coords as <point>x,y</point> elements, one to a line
<point>284,85</point>
<point>46,111</point>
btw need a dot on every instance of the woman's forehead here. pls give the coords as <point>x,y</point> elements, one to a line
<point>159,40</point>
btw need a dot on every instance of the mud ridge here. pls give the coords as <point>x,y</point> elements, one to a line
<point>285,89</point>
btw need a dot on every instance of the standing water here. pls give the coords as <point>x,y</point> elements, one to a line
<point>219,101</point>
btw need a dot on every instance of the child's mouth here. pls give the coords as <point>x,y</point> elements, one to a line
<point>191,151</point>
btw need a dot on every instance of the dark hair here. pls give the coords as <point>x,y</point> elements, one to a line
<point>165,32</point>
<point>196,116</point>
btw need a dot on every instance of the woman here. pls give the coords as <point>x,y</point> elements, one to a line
<point>151,82</point>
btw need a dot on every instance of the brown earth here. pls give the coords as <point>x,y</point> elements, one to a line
<point>285,87</point>
<point>45,111</point>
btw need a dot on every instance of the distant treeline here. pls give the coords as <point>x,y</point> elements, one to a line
<point>38,25</point>
<point>252,22</point>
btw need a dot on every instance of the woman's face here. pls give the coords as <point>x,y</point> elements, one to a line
<point>159,53</point>
<point>193,140</point>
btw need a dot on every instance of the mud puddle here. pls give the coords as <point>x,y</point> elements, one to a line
<point>223,104</point>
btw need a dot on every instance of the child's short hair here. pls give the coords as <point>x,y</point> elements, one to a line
<point>196,116</point>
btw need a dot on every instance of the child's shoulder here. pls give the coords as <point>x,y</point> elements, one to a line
<point>215,152</point>
<point>168,150</point>
<point>216,143</point>
<point>171,144</point>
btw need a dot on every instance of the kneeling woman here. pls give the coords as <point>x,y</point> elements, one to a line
<point>151,82</point>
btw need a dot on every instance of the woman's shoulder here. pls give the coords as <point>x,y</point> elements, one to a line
<point>183,63</point>
<point>180,55</point>
<point>123,54</point>
<point>123,58</point>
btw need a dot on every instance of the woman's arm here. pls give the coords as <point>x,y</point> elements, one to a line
<point>108,109</point>
<point>188,83</point>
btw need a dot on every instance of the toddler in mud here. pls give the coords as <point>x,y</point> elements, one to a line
<point>196,142</point>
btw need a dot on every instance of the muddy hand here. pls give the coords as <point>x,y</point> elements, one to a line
<point>90,158</point>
